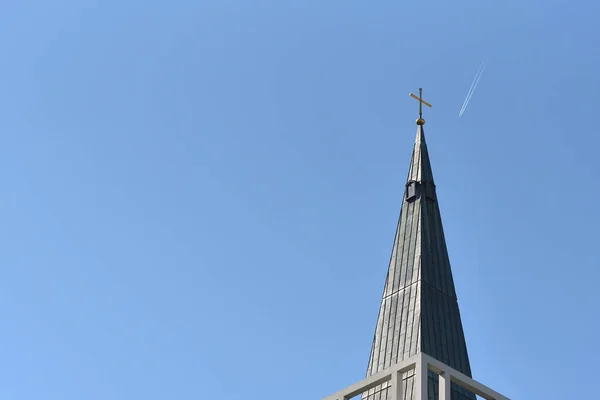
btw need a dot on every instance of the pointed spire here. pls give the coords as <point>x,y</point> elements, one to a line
<point>419,310</point>
<point>420,167</point>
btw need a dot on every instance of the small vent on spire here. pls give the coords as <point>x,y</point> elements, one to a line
<point>411,190</point>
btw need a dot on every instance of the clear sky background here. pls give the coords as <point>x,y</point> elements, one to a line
<point>199,197</point>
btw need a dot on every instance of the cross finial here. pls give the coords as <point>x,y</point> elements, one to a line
<point>420,121</point>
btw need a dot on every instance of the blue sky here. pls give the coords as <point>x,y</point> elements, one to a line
<point>198,196</point>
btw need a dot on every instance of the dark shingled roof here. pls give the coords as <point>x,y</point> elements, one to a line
<point>419,310</point>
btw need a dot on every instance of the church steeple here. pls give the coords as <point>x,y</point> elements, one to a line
<point>419,309</point>
<point>419,350</point>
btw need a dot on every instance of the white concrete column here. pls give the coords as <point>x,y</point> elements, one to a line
<point>396,387</point>
<point>421,379</point>
<point>445,386</point>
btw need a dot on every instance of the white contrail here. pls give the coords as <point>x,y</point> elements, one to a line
<point>473,87</point>
<point>474,83</point>
<point>468,96</point>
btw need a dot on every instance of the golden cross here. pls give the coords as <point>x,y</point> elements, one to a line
<point>421,102</point>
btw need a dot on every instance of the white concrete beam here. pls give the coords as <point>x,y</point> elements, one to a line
<point>375,380</point>
<point>422,363</point>
<point>463,380</point>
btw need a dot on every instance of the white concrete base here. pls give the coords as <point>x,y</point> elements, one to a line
<point>421,364</point>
